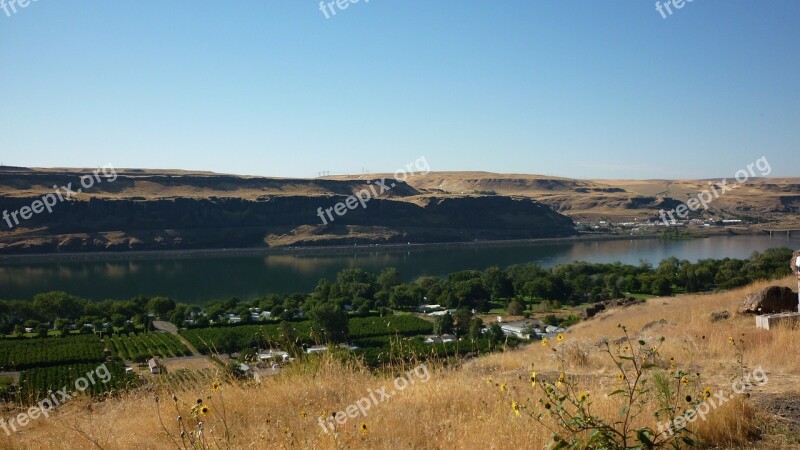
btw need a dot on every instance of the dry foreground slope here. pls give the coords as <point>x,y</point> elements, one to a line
<point>172,210</point>
<point>469,405</point>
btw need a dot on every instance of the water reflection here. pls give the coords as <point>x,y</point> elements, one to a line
<point>196,278</point>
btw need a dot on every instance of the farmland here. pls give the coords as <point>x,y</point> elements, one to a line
<point>142,346</point>
<point>20,354</point>
<point>35,383</point>
<point>380,340</point>
<point>208,340</point>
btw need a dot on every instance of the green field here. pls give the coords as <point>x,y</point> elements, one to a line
<point>143,346</point>
<point>237,338</point>
<point>20,354</point>
<point>380,339</point>
<point>36,383</point>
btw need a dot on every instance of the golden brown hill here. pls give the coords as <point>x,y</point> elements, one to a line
<point>469,405</point>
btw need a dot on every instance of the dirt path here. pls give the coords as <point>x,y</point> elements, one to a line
<point>168,327</point>
<point>780,398</point>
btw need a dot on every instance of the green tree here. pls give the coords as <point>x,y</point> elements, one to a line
<point>55,305</point>
<point>470,294</point>
<point>405,296</point>
<point>461,321</point>
<point>329,322</point>
<point>495,334</point>
<point>475,328</point>
<point>322,291</point>
<point>498,283</point>
<point>388,278</point>
<point>443,325</point>
<point>353,283</point>
<point>161,306</point>
<point>661,286</point>
<point>514,308</point>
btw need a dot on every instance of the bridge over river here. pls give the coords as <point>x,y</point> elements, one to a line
<point>787,231</point>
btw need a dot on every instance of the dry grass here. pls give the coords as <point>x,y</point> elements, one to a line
<point>458,407</point>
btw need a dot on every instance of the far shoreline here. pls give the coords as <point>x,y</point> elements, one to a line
<point>334,249</point>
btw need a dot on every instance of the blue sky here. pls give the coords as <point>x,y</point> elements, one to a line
<point>588,89</point>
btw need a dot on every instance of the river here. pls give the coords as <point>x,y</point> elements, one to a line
<point>199,277</point>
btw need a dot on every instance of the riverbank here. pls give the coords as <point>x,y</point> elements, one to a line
<point>334,249</point>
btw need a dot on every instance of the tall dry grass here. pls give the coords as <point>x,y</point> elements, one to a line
<point>459,407</point>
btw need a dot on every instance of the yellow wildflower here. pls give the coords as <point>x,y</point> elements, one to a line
<point>707,392</point>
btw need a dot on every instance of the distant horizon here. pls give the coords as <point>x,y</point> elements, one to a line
<point>433,172</point>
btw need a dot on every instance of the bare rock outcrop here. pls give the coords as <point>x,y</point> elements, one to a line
<point>770,300</point>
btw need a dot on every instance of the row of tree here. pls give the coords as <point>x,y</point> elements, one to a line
<point>362,292</point>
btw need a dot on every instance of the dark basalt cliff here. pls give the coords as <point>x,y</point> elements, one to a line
<point>120,224</point>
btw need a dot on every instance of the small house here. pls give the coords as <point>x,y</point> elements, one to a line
<point>153,365</point>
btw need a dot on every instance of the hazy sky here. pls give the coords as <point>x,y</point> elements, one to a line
<point>591,89</point>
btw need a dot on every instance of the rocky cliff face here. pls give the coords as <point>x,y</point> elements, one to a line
<point>119,224</point>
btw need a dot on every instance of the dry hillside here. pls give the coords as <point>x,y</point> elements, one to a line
<point>469,405</point>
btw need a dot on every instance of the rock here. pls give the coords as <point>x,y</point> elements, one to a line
<point>620,341</point>
<point>593,310</point>
<point>770,300</point>
<point>623,302</point>
<point>720,315</point>
<point>654,324</point>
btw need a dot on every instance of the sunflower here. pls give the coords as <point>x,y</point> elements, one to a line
<point>707,392</point>
<point>215,386</point>
<point>544,342</point>
<point>560,337</point>
<point>561,378</point>
<point>489,380</point>
<point>684,380</point>
<point>364,428</point>
<point>583,396</point>
<point>303,414</point>
<point>533,377</point>
<point>515,407</point>
<point>621,377</point>
<point>204,409</point>
<point>731,341</point>
<point>503,387</point>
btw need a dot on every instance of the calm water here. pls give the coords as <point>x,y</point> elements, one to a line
<point>197,278</point>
